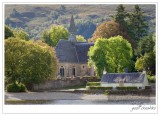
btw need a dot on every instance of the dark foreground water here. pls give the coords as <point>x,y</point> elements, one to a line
<point>88,102</point>
<point>102,102</point>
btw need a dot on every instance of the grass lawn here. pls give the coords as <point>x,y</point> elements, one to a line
<point>26,101</point>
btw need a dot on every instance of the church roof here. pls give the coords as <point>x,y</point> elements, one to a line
<point>125,77</point>
<point>82,51</point>
<point>72,52</point>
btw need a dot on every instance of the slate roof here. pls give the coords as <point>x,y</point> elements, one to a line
<point>125,77</point>
<point>82,51</point>
<point>72,52</point>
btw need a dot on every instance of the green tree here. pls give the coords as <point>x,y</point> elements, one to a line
<point>146,62</point>
<point>113,55</point>
<point>137,24</point>
<point>146,54</point>
<point>80,38</point>
<point>146,45</point>
<point>97,56</point>
<point>120,18</point>
<point>20,33</point>
<point>54,34</point>
<point>86,28</point>
<point>28,62</point>
<point>8,32</point>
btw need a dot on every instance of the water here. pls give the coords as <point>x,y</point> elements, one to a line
<point>102,102</point>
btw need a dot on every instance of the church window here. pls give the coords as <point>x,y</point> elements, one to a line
<point>73,71</point>
<point>61,71</point>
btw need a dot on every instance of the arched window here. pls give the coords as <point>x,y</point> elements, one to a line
<point>61,71</point>
<point>73,71</point>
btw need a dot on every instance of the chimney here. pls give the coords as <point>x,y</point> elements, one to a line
<point>144,71</point>
<point>104,72</point>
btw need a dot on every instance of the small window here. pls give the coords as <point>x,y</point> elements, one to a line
<point>61,71</point>
<point>139,87</point>
<point>73,71</point>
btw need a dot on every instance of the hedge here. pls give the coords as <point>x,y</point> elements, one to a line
<point>89,77</point>
<point>99,88</point>
<point>129,92</point>
<point>93,84</point>
<point>127,88</point>
<point>148,87</point>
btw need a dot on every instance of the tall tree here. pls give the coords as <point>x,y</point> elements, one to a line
<point>106,30</point>
<point>146,45</point>
<point>120,18</point>
<point>110,29</point>
<point>54,34</point>
<point>147,55</point>
<point>86,29</point>
<point>138,26</point>
<point>113,55</point>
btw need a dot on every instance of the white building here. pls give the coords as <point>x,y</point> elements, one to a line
<point>125,80</point>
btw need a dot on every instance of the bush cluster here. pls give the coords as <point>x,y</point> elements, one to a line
<point>126,88</point>
<point>93,84</point>
<point>99,88</point>
<point>151,79</point>
<point>148,87</point>
<point>16,87</point>
<point>89,77</point>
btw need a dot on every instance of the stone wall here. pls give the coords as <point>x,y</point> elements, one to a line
<point>80,69</point>
<point>60,83</point>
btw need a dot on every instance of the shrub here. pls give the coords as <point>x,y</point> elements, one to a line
<point>93,84</point>
<point>151,79</point>
<point>16,87</point>
<point>147,87</point>
<point>126,88</point>
<point>99,88</point>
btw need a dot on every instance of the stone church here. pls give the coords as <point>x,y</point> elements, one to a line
<point>72,56</point>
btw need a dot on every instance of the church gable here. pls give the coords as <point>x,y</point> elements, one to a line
<point>65,51</point>
<point>70,52</point>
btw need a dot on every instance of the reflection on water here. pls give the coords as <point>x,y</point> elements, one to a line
<point>102,102</point>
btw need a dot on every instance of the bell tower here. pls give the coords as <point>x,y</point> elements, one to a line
<point>72,30</point>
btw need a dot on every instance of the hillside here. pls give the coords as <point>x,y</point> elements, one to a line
<point>36,18</point>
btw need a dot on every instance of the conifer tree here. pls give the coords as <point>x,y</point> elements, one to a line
<point>137,24</point>
<point>120,18</point>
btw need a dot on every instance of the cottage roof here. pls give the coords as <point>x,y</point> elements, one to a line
<point>72,52</point>
<point>125,77</point>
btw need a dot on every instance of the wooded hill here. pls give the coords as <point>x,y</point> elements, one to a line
<point>34,19</point>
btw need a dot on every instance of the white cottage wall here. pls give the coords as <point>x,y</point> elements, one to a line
<point>114,85</point>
